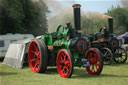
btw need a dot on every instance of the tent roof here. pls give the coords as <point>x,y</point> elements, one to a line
<point>123,35</point>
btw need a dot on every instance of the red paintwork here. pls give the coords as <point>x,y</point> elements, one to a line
<point>34,56</point>
<point>95,62</point>
<point>63,57</point>
<point>78,45</point>
<point>114,44</point>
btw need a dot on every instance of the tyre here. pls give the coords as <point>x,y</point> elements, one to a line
<point>120,55</point>
<point>65,63</point>
<point>37,56</point>
<point>95,59</point>
<point>107,56</point>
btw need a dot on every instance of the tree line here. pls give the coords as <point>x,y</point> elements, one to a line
<point>23,16</point>
<point>29,16</point>
<point>120,16</point>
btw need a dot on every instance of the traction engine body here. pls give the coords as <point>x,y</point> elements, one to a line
<point>65,49</point>
<point>60,39</point>
<point>107,42</point>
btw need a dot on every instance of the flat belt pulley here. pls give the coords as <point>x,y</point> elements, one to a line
<point>114,43</point>
<point>81,45</point>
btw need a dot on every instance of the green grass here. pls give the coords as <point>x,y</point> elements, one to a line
<point>115,74</point>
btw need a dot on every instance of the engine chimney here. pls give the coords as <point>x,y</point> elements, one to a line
<point>110,24</point>
<point>77,21</point>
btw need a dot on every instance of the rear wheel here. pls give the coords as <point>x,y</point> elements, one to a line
<point>65,63</point>
<point>120,55</point>
<point>107,55</point>
<point>95,61</point>
<point>37,56</point>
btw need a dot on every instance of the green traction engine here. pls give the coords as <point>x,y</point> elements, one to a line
<point>65,49</point>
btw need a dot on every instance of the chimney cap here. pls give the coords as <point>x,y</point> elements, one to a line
<point>110,18</point>
<point>76,6</point>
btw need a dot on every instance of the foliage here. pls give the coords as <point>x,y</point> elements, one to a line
<point>23,16</point>
<point>120,16</point>
<point>89,24</point>
<point>93,24</point>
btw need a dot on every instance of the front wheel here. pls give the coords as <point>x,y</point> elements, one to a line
<point>65,63</point>
<point>95,59</point>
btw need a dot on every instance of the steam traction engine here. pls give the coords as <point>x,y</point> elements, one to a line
<point>65,49</point>
<point>109,45</point>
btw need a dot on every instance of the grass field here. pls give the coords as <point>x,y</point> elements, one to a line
<point>115,74</point>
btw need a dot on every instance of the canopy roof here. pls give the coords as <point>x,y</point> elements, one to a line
<point>125,35</point>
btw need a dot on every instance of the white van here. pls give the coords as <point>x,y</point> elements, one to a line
<point>5,40</point>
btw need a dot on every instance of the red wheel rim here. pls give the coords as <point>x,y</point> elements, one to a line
<point>84,45</point>
<point>95,62</point>
<point>63,64</point>
<point>34,56</point>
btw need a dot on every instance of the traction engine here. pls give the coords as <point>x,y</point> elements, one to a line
<point>65,49</point>
<point>109,45</point>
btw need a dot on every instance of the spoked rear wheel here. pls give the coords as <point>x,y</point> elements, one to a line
<point>107,56</point>
<point>37,56</point>
<point>95,60</point>
<point>65,63</point>
<point>120,55</point>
